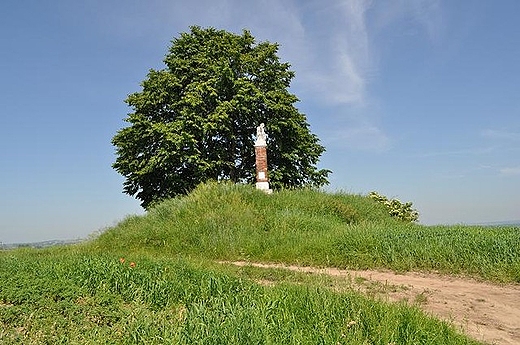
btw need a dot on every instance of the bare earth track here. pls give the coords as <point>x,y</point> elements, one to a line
<point>486,312</point>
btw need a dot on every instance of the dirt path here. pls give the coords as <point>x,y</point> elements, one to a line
<point>487,312</point>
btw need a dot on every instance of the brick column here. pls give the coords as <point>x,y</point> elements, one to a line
<point>261,163</point>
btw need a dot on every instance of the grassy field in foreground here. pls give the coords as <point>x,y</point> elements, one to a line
<point>74,297</point>
<point>152,279</point>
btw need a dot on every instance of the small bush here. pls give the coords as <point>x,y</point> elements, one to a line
<point>396,208</point>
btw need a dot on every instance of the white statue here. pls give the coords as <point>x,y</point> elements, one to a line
<point>261,136</point>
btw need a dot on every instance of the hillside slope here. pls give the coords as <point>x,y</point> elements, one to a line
<point>306,227</point>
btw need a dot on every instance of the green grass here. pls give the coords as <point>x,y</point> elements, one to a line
<point>232,222</point>
<point>60,297</point>
<point>177,294</point>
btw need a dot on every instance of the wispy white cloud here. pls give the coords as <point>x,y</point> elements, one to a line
<point>510,171</point>
<point>328,46</point>
<point>419,15</point>
<point>343,76</point>
<point>363,138</point>
<point>476,151</point>
<point>501,134</point>
<point>429,15</point>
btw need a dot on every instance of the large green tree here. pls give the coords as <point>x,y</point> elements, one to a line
<point>195,119</point>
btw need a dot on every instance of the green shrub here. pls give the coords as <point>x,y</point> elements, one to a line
<point>396,208</point>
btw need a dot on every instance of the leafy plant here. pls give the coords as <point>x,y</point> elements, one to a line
<point>396,208</point>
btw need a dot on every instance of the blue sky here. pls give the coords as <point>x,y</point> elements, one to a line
<point>417,100</point>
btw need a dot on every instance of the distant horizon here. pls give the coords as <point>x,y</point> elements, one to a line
<point>65,241</point>
<point>505,222</point>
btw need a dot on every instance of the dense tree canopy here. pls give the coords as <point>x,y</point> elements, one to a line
<point>195,119</point>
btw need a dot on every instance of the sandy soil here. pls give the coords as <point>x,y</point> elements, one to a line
<point>486,312</point>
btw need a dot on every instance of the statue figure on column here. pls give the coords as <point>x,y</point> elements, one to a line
<point>261,136</point>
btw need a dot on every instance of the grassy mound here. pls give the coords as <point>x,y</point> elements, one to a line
<point>235,222</point>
